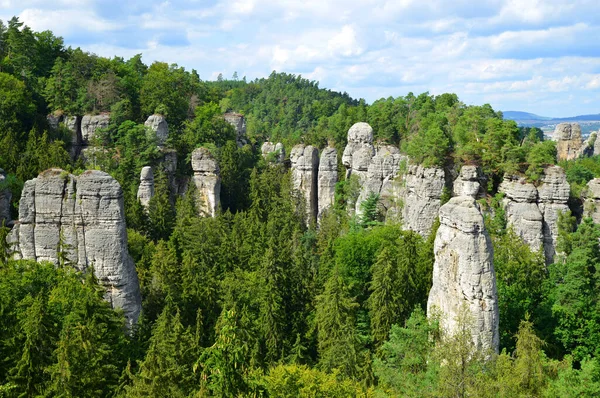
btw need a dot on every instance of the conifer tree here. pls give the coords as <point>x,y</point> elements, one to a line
<point>335,320</point>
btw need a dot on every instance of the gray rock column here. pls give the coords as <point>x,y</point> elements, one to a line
<point>84,218</point>
<point>157,125</point>
<point>238,121</point>
<point>90,124</point>
<point>463,273</point>
<point>305,166</point>
<point>469,182</point>
<point>569,143</point>
<point>422,198</point>
<point>359,151</point>
<point>207,180</point>
<point>277,150</point>
<point>591,205</point>
<point>327,178</point>
<point>146,189</point>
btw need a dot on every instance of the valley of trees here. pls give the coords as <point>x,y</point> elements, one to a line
<point>255,302</point>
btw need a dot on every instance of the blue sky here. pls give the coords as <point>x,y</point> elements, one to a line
<point>531,55</point>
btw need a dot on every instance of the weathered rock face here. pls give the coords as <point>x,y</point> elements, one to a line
<point>469,183</point>
<point>238,121</point>
<point>380,178</point>
<point>305,166</point>
<point>90,124</point>
<point>146,189</point>
<point>207,180</point>
<point>327,178</point>
<point>591,206</point>
<point>84,217</point>
<point>422,198</point>
<point>5,198</point>
<point>463,273</point>
<point>359,151</point>
<point>533,211</point>
<point>277,150</point>
<point>158,125</point>
<point>569,144</point>
<point>73,123</point>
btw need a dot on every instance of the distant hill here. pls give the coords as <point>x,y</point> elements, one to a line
<point>588,123</point>
<point>518,115</point>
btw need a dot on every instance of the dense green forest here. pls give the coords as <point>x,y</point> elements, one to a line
<point>255,302</point>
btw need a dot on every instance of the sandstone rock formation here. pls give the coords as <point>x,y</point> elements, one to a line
<point>469,183</point>
<point>82,217</point>
<point>533,211</point>
<point>359,151</point>
<point>238,121</point>
<point>380,179</point>
<point>305,166</point>
<point>90,124</point>
<point>327,178</point>
<point>146,189</point>
<point>569,144</point>
<point>463,273</point>
<point>207,180</point>
<point>422,198</point>
<point>159,127</point>
<point>73,124</point>
<point>271,151</point>
<point>5,198</point>
<point>591,205</point>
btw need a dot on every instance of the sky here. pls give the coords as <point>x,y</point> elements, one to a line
<point>539,56</point>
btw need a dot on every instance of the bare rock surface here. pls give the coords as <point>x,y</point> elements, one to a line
<point>159,127</point>
<point>83,217</point>
<point>569,142</point>
<point>533,211</point>
<point>422,192</point>
<point>272,151</point>
<point>207,179</point>
<point>90,124</point>
<point>463,273</point>
<point>327,178</point>
<point>305,168</point>
<point>359,151</point>
<point>146,189</point>
<point>591,205</point>
<point>238,121</point>
<point>381,177</point>
<point>469,182</point>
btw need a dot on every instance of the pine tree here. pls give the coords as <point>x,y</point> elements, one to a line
<point>167,369</point>
<point>161,213</point>
<point>335,320</point>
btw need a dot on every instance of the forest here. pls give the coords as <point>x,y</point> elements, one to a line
<point>258,301</point>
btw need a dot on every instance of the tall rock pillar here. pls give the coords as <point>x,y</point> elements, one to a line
<point>463,273</point>
<point>305,166</point>
<point>327,178</point>
<point>207,179</point>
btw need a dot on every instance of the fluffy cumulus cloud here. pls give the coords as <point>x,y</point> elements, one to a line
<point>540,56</point>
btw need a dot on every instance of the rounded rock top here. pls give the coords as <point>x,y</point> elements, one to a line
<point>146,173</point>
<point>361,132</point>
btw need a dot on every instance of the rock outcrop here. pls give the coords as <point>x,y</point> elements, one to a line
<point>422,193</point>
<point>273,152</point>
<point>380,179</point>
<point>327,178</point>
<point>305,167</point>
<point>533,211</point>
<point>238,121</point>
<point>207,179</point>
<point>73,124</point>
<point>591,205</point>
<point>463,273</point>
<point>157,124</point>
<point>359,151</point>
<point>569,143</point>
<point>5,198</point>
<point>469,183</point>
<point>90,124</point>
<point>146,189</point>
<point>83,218</point>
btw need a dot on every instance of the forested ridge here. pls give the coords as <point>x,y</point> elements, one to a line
<point>257,301</point>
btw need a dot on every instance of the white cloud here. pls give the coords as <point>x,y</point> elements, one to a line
<point>532,55</point>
